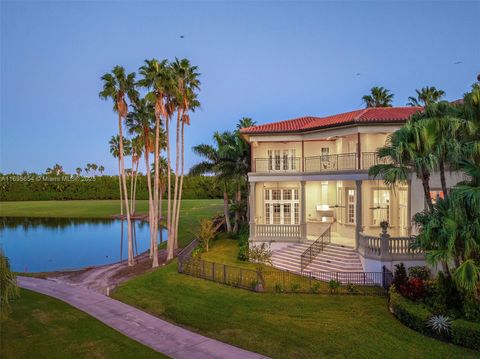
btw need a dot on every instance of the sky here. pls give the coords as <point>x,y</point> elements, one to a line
<point>269,61</point>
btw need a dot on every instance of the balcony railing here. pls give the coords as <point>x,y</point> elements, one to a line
<point>280,231</point>
<point>387,248</point>
<point>277,164</point>
<point>322,163</point>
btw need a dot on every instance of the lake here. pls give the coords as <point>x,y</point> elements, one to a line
<point>50,244</point>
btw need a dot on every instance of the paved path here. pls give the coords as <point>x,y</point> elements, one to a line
<point>158,334</point>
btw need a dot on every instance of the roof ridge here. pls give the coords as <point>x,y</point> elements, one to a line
<point>361,114</point>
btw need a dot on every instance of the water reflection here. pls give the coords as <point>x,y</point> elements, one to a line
<point>46,244</point>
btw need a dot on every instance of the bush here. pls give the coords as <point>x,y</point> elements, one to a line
<point>466,333</point>
<point>351,289</point>
<point>400,276</point>
<point>420,272</point>
<point>315,288</point>
<point>294,287</point>
<point>333,286</point>
<point>243,244</point>
<point>414,289</point>
<point>413,315</point>
<point>278,288</point>
<point>471,308</point>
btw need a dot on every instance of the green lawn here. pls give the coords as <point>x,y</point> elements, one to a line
<point>191,211</point>
<point>43,327</point>
<point>281,325</point>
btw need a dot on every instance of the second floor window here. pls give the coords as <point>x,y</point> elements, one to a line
<point>282,160</point>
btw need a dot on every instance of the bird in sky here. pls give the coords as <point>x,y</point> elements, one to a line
<point>457,62</point>
<point>182,36</point>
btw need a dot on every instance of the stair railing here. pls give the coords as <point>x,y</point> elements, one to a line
<point>314,249</point>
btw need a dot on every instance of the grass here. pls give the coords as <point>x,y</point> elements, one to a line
<point>280,325</point>
<point>191,211</point>
<point>43,327</point>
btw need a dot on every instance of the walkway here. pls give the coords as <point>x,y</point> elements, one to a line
<point>158,334</point>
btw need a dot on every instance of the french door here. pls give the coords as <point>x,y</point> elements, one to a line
<point>282,206</point>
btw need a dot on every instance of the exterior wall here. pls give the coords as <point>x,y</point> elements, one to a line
<point>261,150</point>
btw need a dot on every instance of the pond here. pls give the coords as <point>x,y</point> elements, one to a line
<point>50,244</point>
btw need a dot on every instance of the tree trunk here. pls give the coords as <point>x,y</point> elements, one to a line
<point>238,198</point>
<point>131,186</point>
<point>180,189</point>
<point>120,187</point>
<point>175,192</point>
<point>169,195</point>
<point>125,191</point>
<point>443,180</point>
<point>426,188</point>
<point>225,209</point>
<point>156,190</point>
<point>150,199</point>
<point>134,198</point>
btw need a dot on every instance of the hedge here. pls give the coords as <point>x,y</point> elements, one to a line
<point>415,315</point>
<point>33,187</point>
<point>466,333</point>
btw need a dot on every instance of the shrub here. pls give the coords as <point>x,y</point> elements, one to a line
<point>294,287</point>
<point>466,333</point>
<point>440,324</point>
<point>333,286</point>
<point>414,289</point>
<point>471,308</point>
<point>206,232</point>
<point>448,296</point>
<point>278,288</point>
<point>413,315</point>
<point>420,272</point>
<point>400,276</point>
<point>243,244</point>
<point>351,289</point>
<point>315,288</point>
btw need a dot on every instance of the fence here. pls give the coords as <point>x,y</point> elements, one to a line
<point>314,249</point>
<point>280,281</point>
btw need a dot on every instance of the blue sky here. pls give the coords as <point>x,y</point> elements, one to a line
<point>265,60</point>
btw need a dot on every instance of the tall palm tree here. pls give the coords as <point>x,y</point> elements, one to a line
<point>426,96</point>
<point>212,165</point>
<point>378,97</point>
<point>187,83</point>
<point>78,170</point>
<point>115,151</point>
<point>117,85</point>
<point>94,168</point>
<point>156,77</point>
<point>57,169</point>
<point>101,169</point>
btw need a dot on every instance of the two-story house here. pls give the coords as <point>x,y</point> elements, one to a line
<point>311,198</point>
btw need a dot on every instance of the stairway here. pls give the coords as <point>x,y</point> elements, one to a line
<point>333,258</point>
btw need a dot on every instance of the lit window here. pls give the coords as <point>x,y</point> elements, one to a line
<point>381,206</point>
<point>435,195</point>
<point>350,206</point>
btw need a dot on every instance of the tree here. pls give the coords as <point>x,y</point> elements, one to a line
<point>115,151</point>
<point>206,232</point>
<point>211,165</point>
<point>88,167</point>
<point>8,285</point>
<point>57,169</point>
<point>378,97</point>
<point>78,170</point>
<point>117,85</point>
<point>426,96</point>
<point>186,80</point>
<point>101,169</point>
<point>156,77</point>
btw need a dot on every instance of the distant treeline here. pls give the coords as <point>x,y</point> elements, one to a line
<point>34,187</point>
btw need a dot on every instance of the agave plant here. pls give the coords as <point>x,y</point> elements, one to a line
<point>440,323</point>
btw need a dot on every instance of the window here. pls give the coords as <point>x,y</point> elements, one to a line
<point>351,206</point>
<point>381,206</point>
<point>435,195</point>
<point>325,153</point>
<point>282,160</point>
<point>282,206</point>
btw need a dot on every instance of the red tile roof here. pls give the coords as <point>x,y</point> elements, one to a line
<point>367,115</point>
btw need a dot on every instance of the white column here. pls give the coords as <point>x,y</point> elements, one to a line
<point>252,208</point>
<point>358,212</point>
<point>303,218</point>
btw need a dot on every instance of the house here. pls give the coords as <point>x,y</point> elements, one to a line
<point>313,203</point>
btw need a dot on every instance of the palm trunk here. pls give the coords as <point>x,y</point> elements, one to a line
<point>426,188</point>
<point>125,191</point>
<point>120,187</point>
<point>156,189</point>
<point>443,180</point>
<point>238,197</point>
<point>135,187</point>
<point>180,189</point>
<point>225,208</point>
<point>175,192</point>
<point>150,200</point>
<point>131,188</point>
<point>169,196</point>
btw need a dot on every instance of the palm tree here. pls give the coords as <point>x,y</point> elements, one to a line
<point>115,151</point>
<point>378,97</point>
<point>139,122</point>
<point>157,79</point>
<point>407,150</point>
<point>101,169</point>
<point>117,85</point>
<point>87,168</point>
<point>8,285</point>
<point>186,79</point>
<point>78,170</point>
<point>426,96</point>
<point>211,165</point>
<point>94,167</point>
<point>57,169</point>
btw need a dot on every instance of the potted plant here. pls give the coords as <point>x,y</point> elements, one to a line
<point>384,226</point>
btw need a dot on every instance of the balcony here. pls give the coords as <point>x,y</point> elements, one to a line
<point>323,163</point>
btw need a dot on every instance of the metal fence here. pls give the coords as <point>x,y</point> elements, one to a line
<point>280,281</point>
